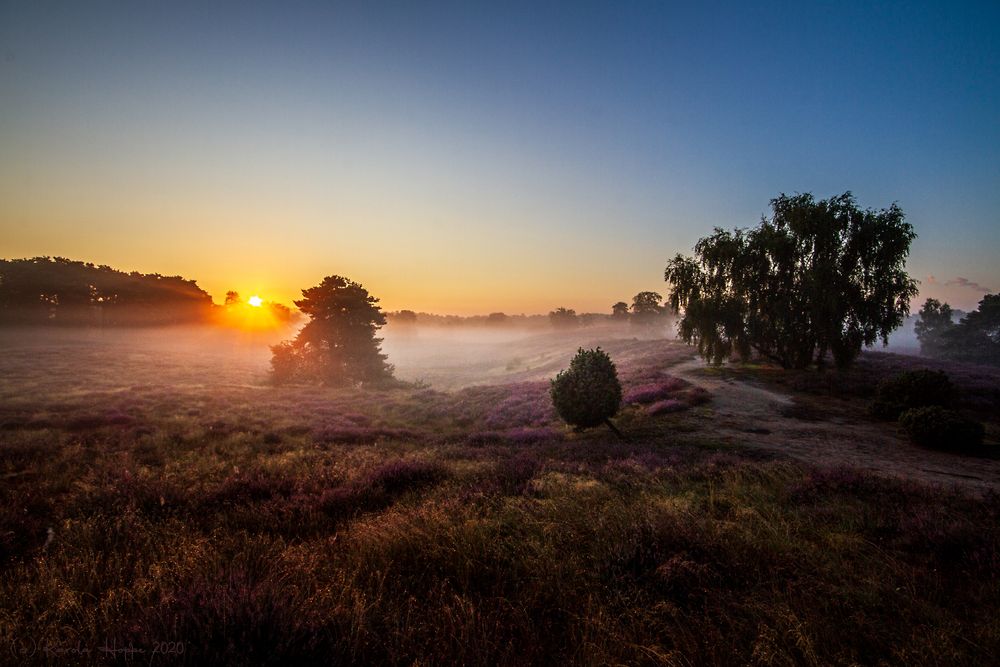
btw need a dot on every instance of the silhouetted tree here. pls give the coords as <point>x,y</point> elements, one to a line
<point>619,311</point>
<point>588,393</point>
<point>933,321</point>
<point>978,334</point>
<point>563,318</point>
<point>647,309</point>
<point>338,345</point>
<point>495,319</point>
<point>233,298</point>
<point>817,276</point>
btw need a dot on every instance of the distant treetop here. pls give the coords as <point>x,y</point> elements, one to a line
<point>563,318</point>
<point>647,308</point>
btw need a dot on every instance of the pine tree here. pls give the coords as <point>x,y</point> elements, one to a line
<point>338,345</point>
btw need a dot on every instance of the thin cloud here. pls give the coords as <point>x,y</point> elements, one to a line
<point>965,282</point>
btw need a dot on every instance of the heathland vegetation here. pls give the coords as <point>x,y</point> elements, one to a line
<point>159,493</point>
<point>173,495</point>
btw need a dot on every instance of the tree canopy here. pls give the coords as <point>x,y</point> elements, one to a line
<point>338,345</point>
<point>816,277</point>
<point>975,338</point>
<point>646,308</point>
<point>933,321</point>
<point>563,318</point>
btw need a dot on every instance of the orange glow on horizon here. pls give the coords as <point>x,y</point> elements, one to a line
<point>255,314</point>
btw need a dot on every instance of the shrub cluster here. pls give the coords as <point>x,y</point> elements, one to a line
<point>912,389</point>
<point>920,400</point>
<point>652,392</point>
<point>941,428</point>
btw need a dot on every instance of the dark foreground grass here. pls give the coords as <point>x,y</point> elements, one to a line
<point>244,525</point>
<point>583,551</point>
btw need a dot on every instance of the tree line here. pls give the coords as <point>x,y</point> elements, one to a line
<point>816,279</point>
<point>974,338</point>
<point>60,291</point>
<point>647,310</point>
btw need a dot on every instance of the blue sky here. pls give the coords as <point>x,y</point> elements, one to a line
<point>463,157</point>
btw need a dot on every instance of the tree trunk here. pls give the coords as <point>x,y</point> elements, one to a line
<point>615,430</point>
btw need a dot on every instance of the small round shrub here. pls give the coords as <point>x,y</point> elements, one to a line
<point>587,393</point>
<point>941,428</point>
<point>912,389</point>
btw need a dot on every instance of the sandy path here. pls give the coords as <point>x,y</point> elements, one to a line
<point>751,415</point>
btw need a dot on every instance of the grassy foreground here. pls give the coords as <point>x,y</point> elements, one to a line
<point>237,524</point>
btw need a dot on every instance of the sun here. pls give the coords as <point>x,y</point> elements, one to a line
<point>255,301</point>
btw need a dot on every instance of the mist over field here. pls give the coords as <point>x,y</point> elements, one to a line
<point>444,357</point>
<point>161,492</point>
<point>453,357</point>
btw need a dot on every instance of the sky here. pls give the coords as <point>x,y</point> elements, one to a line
<point>476,157</point>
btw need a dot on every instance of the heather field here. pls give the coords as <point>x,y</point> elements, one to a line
<point>162,503</point>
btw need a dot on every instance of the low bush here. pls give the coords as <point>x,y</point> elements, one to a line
<point>587,393</point>
<point>652,392</point>
<point>912,389</point>
<point>941,428</point>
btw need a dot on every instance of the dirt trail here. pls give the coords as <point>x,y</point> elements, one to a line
<point>730,395</point>
<point>746,413</point>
